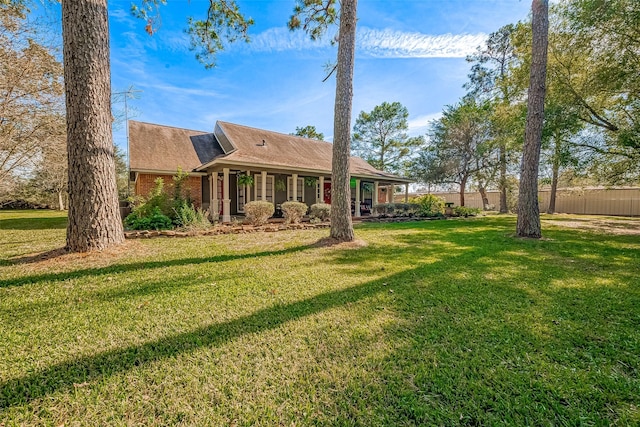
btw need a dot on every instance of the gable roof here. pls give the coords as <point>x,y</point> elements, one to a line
<point>155,147</point>
<point>163,148</point>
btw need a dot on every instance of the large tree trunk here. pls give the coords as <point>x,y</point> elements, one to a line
<point>528,224</point>
<point>94,217</point>
<point>341,225</point>
<point>504,206</point>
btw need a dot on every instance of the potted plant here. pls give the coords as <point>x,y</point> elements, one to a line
<point>280,185</point>
<point>310,181</point>
<point>245,180</point>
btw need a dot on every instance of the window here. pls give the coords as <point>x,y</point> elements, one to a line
<point>257,187</point>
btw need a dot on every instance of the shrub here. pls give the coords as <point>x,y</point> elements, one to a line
<point>155,220</point>
<point>186,216</point>
<point>294,211</point>
<point>465,211</point>
<point>429,205</point>
<point>320,211</point>
<point>384,209</point>
<point>259,212</point>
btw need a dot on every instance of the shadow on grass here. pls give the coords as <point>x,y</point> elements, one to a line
<point>33,223</point>
<point>63,376</point>
<point>123,268</point>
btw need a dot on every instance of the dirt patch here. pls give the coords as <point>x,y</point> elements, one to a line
<point>59,258</point>
<point>338,244</point>
<point>609,226</point>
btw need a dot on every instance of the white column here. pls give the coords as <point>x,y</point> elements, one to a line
<point>321,192</point>
<point>226,197</point>
<point>215,205</point>
<point>388,195</point>
<point>263,193</point>
<point>356,212</point>
<point>247,190</point>
<point>406,193</point>
<point>376,193</point>
<point>294,183</point>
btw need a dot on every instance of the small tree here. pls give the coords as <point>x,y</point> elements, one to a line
<point>380,137</point>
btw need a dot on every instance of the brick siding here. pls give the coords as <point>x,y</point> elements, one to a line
<point>146,182</point>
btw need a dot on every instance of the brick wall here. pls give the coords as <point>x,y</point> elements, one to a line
<point>146,182</point>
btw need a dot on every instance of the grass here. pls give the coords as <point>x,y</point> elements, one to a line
<point>437,323</point>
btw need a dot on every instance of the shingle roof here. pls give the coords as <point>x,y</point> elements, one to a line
<point>155,147</point>
<point>164,148</point>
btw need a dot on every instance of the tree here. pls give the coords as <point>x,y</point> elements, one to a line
<point>94,217</point>
<point>309,132</point>
<point>490,79</point>
<point>316,16</point>
<point>459,147</point>
<point>528,223</point>
<point>380,137</point>
<point>31,89</point>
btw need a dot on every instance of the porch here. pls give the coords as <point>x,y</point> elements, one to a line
<point>229,189</point>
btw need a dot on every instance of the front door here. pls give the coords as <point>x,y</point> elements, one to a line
<point>327,192</point>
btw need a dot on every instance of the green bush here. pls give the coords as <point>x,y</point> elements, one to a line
<point>155,220</point>
<point>320,211</point>
<point>429,205</point>
<point>259,212</point>
<point>465,211</point>
<point>186,216</point>
<point>293,211</point>
<point>384,209</point>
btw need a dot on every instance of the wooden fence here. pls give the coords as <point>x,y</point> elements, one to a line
<point>588,201</point>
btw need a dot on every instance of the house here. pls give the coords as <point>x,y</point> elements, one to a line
<point>283,167</point>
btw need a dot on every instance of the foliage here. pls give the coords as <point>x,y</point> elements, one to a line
<point>245,180</point>
<point>188,217</point>
<point>465,211</point>
<point>310,181</point>
<point>294,211</point>
<point>32,124</point>
<point>309,132</point>
<point>321,211</point>
<point>396,209</point>
<point>459,147</point>
<point>224,24</point>
<point>280,185</point>
<point>154,220</point>
<point>380,137</point>
<point>258,212</point>
<point>429,205</point>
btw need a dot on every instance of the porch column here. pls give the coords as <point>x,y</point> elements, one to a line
<point>294,184</point>
<point>356,211</point>
<point>213,188</point>
<point>247,190</point>
<point>320,195</point>
<point>264,186</point>
<point>406,193</point>
<point>388,195</point>
<point>226,197</point>
<point>376,193</point>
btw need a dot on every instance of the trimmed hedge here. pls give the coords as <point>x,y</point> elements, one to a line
<point>258,212</point>
<point>293,211</point>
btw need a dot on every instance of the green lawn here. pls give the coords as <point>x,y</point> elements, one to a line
<point>451,322</point>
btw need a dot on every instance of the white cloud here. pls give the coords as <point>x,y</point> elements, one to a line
<point>398,44</point>
<point>376,43</point>
<point>419,125</point>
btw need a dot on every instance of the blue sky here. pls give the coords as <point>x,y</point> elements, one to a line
<point>410,51</point>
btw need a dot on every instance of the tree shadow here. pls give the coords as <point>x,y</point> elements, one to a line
<point>123,268</point>
<point>33,223</point>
